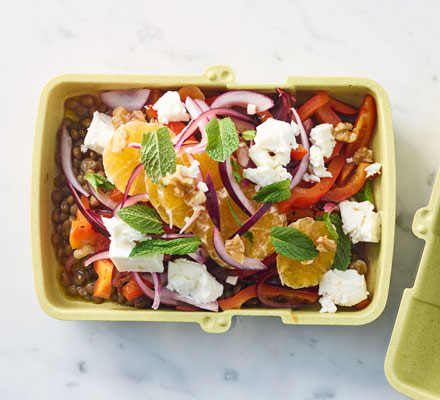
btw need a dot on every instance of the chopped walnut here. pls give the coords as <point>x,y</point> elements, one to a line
<point>235,248</point>
<point>121,116</point>
<point>360,266</point>
<point>181,184</point>
<point>325,244</point>
<point>196,198</point>
<point>83,251</point>
<point>363,155</point>
<point>344,132</point>
<point>120,140</point>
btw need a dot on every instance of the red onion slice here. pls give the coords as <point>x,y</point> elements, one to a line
<point>248,224</point>
<point>243,125</point>
<point>131,99</point>
<point>190,221</point>
<point>136,171</point>
<point>132,200</point>
<point>197,257</point>
<point>134,145</point>
<point>281,110</point>
<point>233,188</point>
<point>103,198</point>
<point>330,207</point>
<point>66,161</point>
<point>195,109</point>
<point>194,124</point>
<point>157,290</point>
<point>212,204</point>
<point>243,98</point>
<point>89,215</point>
<point>97,256</point>
<point>248,263</point>
<point>302,168</point>
<point>308,125</point>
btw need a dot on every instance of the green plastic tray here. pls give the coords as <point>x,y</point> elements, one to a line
<point>412,364</point>
<point>50,112</point>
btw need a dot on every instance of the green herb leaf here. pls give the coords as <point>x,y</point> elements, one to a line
<point>157,154</point>
<point>222,138</point>
<point>275,192</point>
<point>142,218</point>
<point>99,182</point>
<point>330,227</point>
<point>359,196</point>
<point>236,170</point>
<point>248,235</point>
<point>292,243</point>
<point>368,192</point>
<point>248,135</point>
<point>180,246</point>
<point>343,249</point>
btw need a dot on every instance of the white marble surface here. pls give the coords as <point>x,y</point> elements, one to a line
<point>263,41</point>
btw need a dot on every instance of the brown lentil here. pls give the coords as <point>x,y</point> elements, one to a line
<point>57,196</point>
<point>90,287</point>
<point>97,300</point>
<point>86,100</point>
<point>56,239</point>
<point>65,208</point>
<point>76,152</point>
<point>74,134</point>
<point>71,103</point>
<point>86,122</point>
<point>72,291</point>
<point>65,278</point>
<point>82,291</point>
<point>73,209</point>
<point>60,180</point>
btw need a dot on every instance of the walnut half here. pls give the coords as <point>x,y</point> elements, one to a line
<point>363,155</point>
<point>344,132</point>
<point>235,248</point>
<point>325,244</point>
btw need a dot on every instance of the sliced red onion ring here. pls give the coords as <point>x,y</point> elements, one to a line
<point>194,124</point>
<point>243,155</point>
<point>133,176</point>
<point>191,220</point>
<point>248,263</point>
<point>197,257</point>
<point>130,99</point>
<point>233,188</point>
<point>302,168</point>
<point>66,161</point>
<point>195,109</point>
<point>132,200</point>
<point>248,224</point>
<point>89,215</point>
<point>243,98</point>
<point>157,290</point>
<point>308,125</point>
<point>133,145</point>
<point>212,204</point>
<point>97,256</point>
<point>103,198</point>
<point>330,207</point>
<point>281,110</point>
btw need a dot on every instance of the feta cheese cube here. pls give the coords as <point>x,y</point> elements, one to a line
<point>263,176</point>
<point>251,109</point>
<point>344,288</point>
<point>202,187</point>
<point>311,178</point>
<point>192,171</point>
<point>192,280</point>
<point>99,133</point>
<point>317,166</point>
<point>275,136</point>
<point>170,108</point>
<point>120,231</point>
<point>321,136</point>
<point>360,222</point>
<point>373,169</point>
<point>263,158</point>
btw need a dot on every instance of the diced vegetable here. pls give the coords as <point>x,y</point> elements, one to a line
<point>299,153</point>
<point>103,285</point>
<point>191,91</point>
<point>81,231</point>
<point>235,302</point>
<point>309,107</point>
<point>131,290</point>
<point>341,107</point>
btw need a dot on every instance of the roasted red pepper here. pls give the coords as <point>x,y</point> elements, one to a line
<point>235,302</point>
<point>176,126</point>
<point>81,231</point>
<point>306,197</point>
<point>299,153</point>
<point>341,107</point>
<point>309,107</point>
<point>131,290</point>
<point>116,195</point>
<point>276,296</point>
<point>103,285</point>
<point>353,185</point>
<point>363,304</point>
<point>264,115</point>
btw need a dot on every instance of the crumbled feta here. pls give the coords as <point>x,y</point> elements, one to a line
<point>191,279</point>
<point>373,169</point>
<point>99,133</point>
<point>192,171</point>
<point>323,143</point>
<point>295,128</point>
<point>360,222</point>
<point>271,152</point>
<point>202,187</point>
<point>232,280</point>
<point>170,108</point>
<point>344,288</point>
<point>123,238</point>
<point>251,109</point>
<point>349,160</point>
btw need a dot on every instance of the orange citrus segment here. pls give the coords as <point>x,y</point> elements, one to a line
<point>297,274</point>
<point>119,166</point>
<point>207,164</point>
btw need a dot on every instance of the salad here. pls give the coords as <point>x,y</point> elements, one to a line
<point>194,200</point>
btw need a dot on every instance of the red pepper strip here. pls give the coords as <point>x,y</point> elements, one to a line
<point>341,107</point>
<point>264,115</point>
<point>299,153</point>
<point>325,115</point>
<point>235,302</point>
<point>155,95</point>
<point>176,126</point>
<point>131,290</point>
<point>363,304</point>
<point>103,285</point>
<point>293,297</point>
<point>353,185</point>
<point>310,106</point>
<point>364,127</point>
<point>306,197</point>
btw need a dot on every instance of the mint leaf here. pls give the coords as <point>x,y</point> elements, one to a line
<point>343,249</point>
<point>99,182</point>
<point>248,235</point>
<point>222,139</point>
<point>330,227</point>
<point>142,218</point>
<point>157,154</point>
<point>275,192</point>
<point>248,135</point>
<point>180,246</point>
<point>359,196</point>
<point>368,192</point>
<point>292,243</point>
<point>236,170</point>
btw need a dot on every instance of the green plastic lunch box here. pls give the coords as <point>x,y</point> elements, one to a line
<point>50,113</point>
<point>412,365</point>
